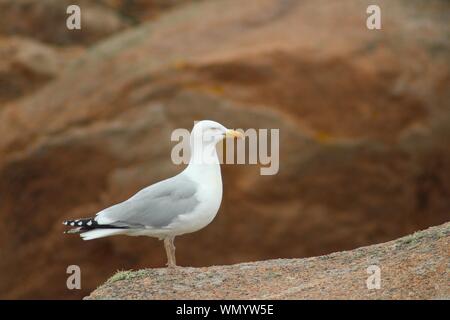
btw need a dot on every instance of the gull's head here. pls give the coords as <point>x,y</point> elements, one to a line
<point>211,132</point>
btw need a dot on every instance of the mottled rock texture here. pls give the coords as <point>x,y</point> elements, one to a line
<point>412,267</point>
<point>27,65</point>
<point>45,20</point>
<point>35,44</point>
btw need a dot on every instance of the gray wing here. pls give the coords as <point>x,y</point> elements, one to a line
<point>155,206</point>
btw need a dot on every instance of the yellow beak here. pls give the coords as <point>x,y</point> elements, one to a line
<point>234,134</point>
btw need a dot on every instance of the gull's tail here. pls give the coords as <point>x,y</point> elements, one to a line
<point>90,229</point>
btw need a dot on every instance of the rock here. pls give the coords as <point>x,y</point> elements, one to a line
<point>412,267</point>
<point>35,44</point>
<point>364,129</point>
<point>45,20</point>
<point>142,10</point>
<point>26,65</point>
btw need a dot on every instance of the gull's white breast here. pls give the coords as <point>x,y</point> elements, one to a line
<point>209,196</point>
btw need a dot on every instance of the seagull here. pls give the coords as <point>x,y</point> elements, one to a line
<point>181,204</point>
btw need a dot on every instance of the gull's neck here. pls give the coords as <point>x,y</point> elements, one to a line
<point>204,162</point>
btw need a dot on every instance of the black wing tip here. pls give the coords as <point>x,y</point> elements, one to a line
<point>83,225</point>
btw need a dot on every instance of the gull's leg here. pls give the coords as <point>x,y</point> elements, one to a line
<point>168,243</point>
<point>172,239</point>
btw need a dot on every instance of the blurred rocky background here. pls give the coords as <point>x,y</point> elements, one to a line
<point>86,117</point>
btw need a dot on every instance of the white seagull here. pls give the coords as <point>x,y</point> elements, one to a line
<point>182,204</point>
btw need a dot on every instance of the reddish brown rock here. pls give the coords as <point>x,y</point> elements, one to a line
<point>141,10</point>
<point>26,65</point>
<point>45,20</point>
<point>364,127</point>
